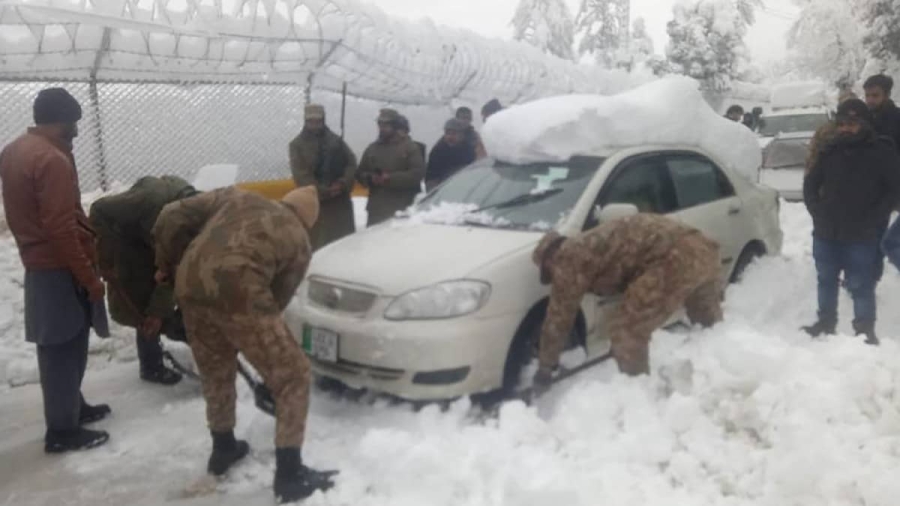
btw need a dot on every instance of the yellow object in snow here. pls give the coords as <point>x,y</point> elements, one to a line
<point>275,189</point>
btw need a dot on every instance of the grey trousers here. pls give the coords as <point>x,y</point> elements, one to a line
<point>62,370</point>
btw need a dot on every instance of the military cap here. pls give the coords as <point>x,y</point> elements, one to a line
<point>314,111</point>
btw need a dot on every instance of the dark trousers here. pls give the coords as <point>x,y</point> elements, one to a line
<point>859,262</point>
<point>150,351</point>
<point>62,370</point>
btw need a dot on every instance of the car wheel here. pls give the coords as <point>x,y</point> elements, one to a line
<point>525,348</point>
<point>750,253</point>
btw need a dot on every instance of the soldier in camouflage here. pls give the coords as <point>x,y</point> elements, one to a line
<point>124,224</point>
<point>658,263</point>
<point>237,258</point>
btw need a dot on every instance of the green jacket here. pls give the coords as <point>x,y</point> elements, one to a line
<point>125,246</point>
<point>402,161</point>
<point>323,161</point>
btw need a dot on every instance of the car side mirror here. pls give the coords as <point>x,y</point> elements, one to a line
<point>614,211</point>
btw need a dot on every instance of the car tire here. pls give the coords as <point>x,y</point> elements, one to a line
<point>525,348</point>
<point>750,253</point>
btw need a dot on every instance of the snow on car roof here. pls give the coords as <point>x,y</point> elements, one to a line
<point>799,94</point>
<point>795,135</point>
<point>666,112</point>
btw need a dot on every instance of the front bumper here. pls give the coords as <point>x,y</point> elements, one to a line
<point>414,360</point>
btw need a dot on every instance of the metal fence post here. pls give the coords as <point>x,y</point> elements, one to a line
<point>95,106</point>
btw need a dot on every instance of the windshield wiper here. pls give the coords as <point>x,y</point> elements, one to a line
<point>520,200</point>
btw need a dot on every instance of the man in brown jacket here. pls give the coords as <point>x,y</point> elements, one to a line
<point>321,158</point>
<point>63,292</point>
<point>660,265</point>
<point>392,168</point>
<point>237,258</point>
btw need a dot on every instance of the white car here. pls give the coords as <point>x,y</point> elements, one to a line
<point>787,121</point>
<point>429,311</point>
<point>784,164</point>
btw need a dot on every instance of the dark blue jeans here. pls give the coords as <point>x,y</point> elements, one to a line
<point>858,261</point>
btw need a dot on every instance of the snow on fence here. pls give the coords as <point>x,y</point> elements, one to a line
<point>170,85</point>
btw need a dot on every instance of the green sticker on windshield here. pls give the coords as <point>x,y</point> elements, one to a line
<point>545,181</point>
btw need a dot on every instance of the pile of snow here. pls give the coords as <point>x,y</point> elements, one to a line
<point>448,213</point>
<point>798,95</point>
<point>668,112</point>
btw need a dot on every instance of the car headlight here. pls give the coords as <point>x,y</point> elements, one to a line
<point>443,300</point>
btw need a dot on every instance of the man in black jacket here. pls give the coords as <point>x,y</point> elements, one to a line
<point>885,114</point>
<point>850,192</point>
<point>450,154</point>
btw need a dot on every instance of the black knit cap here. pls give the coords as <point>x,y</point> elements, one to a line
<point>56,105</point>
<point>854,107</point>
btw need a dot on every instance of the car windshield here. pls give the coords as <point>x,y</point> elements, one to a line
<point>771,126</point>
<point>785,153</point>
<point>516,196</point>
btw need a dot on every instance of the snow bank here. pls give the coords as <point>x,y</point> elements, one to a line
<point>799,94</point>
<point>667,112</point>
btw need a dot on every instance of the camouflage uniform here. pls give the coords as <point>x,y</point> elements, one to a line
<point>403,162</point>
<point>240,258</point>
<point>658,263</point>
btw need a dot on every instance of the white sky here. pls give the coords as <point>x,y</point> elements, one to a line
<point>491,18</point>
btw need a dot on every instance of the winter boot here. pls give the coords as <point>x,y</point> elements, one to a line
<point>867,329</point>
<point>823,327</point>
<point>226,451</point>
<point>293,480</point>
<point>61,441</point>
<point>161,375</point>
<point>91,414</point>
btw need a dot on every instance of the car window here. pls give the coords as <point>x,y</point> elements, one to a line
<point>786,153</point>
<point>644,183</point>
<point>488,183</point>
<point>771,126</point>
<point>697,181</point>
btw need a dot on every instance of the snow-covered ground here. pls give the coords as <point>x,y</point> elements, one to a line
<point>751,412</point>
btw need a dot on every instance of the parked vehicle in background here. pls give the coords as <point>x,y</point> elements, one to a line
<point>796,107</point>
<point>784,164</point>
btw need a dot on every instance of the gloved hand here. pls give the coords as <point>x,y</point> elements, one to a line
<point>541,382</point>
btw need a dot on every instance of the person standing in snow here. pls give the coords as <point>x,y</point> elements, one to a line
<point>405,131</point>
<point>489,109</point>
<point>825,134</point>
<point>391,168</point>
<point>63,292</point>
<point>450,154</point>
<point>321,158</point>
<point>124,225</point>
<point>659,263</point>
<point>464,114</point>
<point>850,193</point>
<point>885,114</point>
<point>735,113</point>
<point>237,259</point>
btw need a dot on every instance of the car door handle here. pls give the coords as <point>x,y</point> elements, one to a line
<point>732,210</point>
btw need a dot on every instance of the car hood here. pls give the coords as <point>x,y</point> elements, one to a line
<point>397,257</point>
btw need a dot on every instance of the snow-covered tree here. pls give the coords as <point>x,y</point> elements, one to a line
<point>639,49</point>
<point>707,41</point>
<point>602,26</point>
<point>826,42</point>
<point>547,25</point>
<point>882,19</point>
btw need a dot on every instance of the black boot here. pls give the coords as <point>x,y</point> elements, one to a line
<point>823,326</point>
<point>91,414</point>
<point>60,441</point>
<point>226,451</point>
<point>293,480</point>
<point>161,375</point>
<point>867,329</point>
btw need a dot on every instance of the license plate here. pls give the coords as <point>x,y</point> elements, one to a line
<point>320,344</point>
